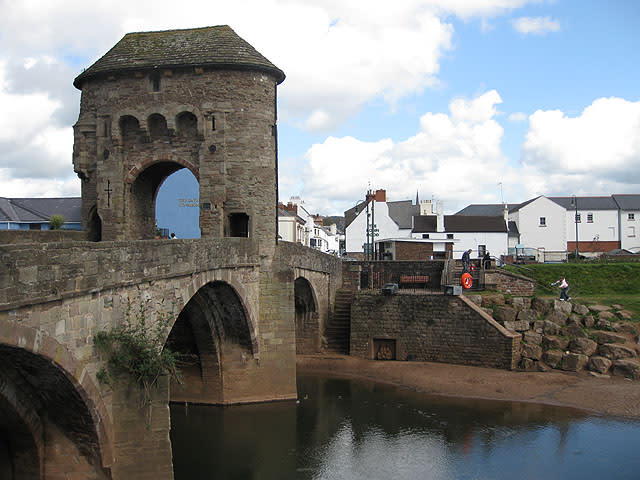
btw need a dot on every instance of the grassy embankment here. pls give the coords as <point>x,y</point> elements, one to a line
<point>607,284</point>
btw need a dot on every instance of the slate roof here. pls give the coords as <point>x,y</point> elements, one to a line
<point>513,229</point>
<point>587,203</point>
<point>627,202</point>
<point>217,47</point>
<point>486,209</point>
<point>460,223</point>
<point>402,212</point>
<point>39,210</point>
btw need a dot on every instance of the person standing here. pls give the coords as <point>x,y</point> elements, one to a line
<point>466,261</point>
<point>564,287</point>
<point>486,260</point>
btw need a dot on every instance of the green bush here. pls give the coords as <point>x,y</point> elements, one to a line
<point>56,222</point>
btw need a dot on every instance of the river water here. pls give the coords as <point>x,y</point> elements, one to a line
<point>352,429</point>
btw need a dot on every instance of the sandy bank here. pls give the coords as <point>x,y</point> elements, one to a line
<point>608,396</point>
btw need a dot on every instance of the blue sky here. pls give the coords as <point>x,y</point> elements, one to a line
<point>449,98</point>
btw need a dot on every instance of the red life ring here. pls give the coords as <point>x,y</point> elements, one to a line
<point>466,280</point>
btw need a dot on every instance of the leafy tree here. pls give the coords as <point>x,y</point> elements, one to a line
<point>56,222</point>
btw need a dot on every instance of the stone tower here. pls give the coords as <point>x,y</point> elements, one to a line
<point>202,99</point>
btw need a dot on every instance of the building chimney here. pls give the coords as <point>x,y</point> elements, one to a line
<point>439,216</point>
<point>291,207</point>
<point>381,195</point>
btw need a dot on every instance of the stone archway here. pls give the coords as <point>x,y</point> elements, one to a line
<point>213,336</point>
<point>141,200</point>
<point>47,420</point>
<point>306,317</point>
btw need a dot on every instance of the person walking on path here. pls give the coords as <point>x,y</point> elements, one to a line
<point>564,286</point>
<point>466,261</point>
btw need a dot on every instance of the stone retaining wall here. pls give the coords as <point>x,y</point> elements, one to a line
<point>432,328</point>
<point>511,283</point>
<point>41,236</point>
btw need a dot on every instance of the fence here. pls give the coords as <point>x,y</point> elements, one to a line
<point>410,276</point>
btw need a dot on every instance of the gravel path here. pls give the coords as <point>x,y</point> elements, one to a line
<point>614,396</point>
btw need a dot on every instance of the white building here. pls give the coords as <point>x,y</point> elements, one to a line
<point>296,224</point>
<point>629,221</point>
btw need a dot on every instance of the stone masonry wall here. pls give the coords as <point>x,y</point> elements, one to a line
<point>511,283</point>
<point>433,328</point>
<point>41,236</point>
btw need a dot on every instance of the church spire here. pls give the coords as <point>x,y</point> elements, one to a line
<point>417,199</point>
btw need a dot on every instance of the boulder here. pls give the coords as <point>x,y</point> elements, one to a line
<point>554,343</point>
<point>608,337</point>
<point>564,307</point>
<point>558,317</point>
<point>541,305</point>
<point>521,303</point>
<point>574,318</point>
<point>588,321</point>
<point>610,316</point>
<point>517,326</point>
<point>550,328</point>
<point>493,299</point>
<point>528,316</point>
<point>488,311</point>
<point>599,364</point>
<point>574,331</point>
<point>573,362</point>
<point>624,315</point>
<point>580,309</point>
<point>528,365</point>
<point>625,327</point>
<point>604,324</point>
<point>627,368</point>
<point>532,337</point>
<point>476,299</point>
<point>506,314</point>
<point>553,358</point>
<point>531,350</point>
<point>598,308</point>
<point>615,351</point>
<point>584,346</point>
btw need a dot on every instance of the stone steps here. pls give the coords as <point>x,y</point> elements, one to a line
<point>338,329</point>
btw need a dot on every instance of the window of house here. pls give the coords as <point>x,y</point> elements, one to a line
<point>482,249</point>
<point>35,226</point>
<point>578,218</point>
<point>155,82</point>
<point>631,217</point>
<point>425,235</point>
<point>239,225</point>
<point>450,235</point>
<point>631,231</point>
<point>543,221</point>
<point>589,217</point>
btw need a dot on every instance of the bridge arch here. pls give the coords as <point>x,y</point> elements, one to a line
<point>216,340</point>
<point>306,317</point>
<point>46,394</point>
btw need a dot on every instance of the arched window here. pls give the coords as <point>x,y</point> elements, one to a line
<point>157,126</point>
<point>187,124</point>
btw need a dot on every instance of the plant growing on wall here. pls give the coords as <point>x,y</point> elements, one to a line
<point>56,222</point>
<point>135,350</point>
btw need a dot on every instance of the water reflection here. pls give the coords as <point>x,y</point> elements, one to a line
<point>346,429</point>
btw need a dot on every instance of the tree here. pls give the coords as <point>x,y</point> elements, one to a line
<point>56,222</point>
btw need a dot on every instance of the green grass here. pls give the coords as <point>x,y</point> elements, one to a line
<point>589,283</point>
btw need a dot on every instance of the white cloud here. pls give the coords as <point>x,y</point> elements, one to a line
<point>536,25</point>
<point>456,157</point>
<point>517,117</point>
<point>603,143</point>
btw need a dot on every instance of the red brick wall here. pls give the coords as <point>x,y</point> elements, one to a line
<point>413,251</point>
<point>592,246</point>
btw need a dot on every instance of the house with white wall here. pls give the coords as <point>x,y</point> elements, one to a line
<point>629,221</point>
<point>296,224</point>
<point>541,223</point>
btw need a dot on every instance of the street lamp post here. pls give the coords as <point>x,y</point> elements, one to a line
<point>574,203</point>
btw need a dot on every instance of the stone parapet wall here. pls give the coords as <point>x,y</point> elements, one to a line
<point>53,271</point>
<point>8,237</point>
<point>433,328</point>
<point>511,283</point>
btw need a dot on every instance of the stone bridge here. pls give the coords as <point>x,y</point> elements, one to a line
<point>240,308</point>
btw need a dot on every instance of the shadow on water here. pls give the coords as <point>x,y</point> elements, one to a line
<point>354,429</point>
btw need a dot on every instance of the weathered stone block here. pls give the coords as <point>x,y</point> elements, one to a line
<point>624,315</point>
<point>528,365</point>
<point>531,350</point>
<point>521,303</point>
<point>603,336</point>
<point>609,316</point>
<point>564,307</point>
<point>495,299</point>
<point>588,321</point>
<point>625,327</point>
<point>528,316</point>
<point>627,368</point>
<point>558,317</point>
<point>614,351</point>
<point>599,364</point>
<point>584,346</point>
<point>506,314</point>
<point>573,362</point>
<point>541,305</point>
<point>598,308</point>
<point>550,328</point>
<point>554,343</point>
<point>580,309</point>
<point>517,326</point>
<point>553,358</point>
<point>533,337</point>
<point>574,331</point>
